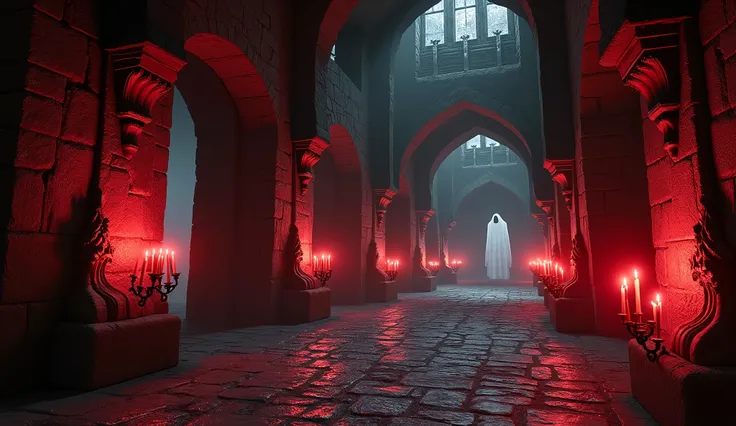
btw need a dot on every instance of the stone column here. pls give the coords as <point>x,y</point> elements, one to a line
<point>378,286</point>
<point>400,234</point>
<point>673,54</point>
<point>421,280</point>
<point>446,276</point>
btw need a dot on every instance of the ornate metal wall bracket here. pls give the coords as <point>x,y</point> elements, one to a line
<point>642,332</point>
<point>144,73</point>
<point>307,153</point>
<point>647,56</point>
<point>381,199</point>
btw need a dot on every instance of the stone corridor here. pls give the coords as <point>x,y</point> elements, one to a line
<point>460,356</point>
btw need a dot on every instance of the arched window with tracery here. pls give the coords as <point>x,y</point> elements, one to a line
<point>455,38</point>
<point>482,151</point>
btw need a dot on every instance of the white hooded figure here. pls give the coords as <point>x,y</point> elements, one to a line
<point>498,249</point>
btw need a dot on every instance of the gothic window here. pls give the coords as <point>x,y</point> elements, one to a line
<point>434,24</point>
<point>332,54</point>
<point>498,19</point>
<point>481,151</point>
<point>465,20</point>
<point>466,43</point>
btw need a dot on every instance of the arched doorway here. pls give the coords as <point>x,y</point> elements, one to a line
<point>229,278</point>
<point>342,216</point>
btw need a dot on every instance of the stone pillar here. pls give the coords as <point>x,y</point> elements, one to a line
<point>378,286</point>
<point>400,234</point>
<point>553,248</point>
<point>303,298</point>
<point>421,281</point>
<point>673,54</point>
<point>562,175</point>
<point>446,276</point>
<point>432,239</point>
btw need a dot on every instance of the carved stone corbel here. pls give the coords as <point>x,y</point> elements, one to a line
<point>562,174</point>
<point>381,199</point>
<point>295,278</point>
<point>144,73</point>
<point>541,220</point>
<point>578,286</point>
<point>647,56</point>
<point>418,262</point>
<point>98,301</point>
<point>422,220</point>
<point>307,153</point>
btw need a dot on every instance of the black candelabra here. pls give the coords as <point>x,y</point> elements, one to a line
<point>433,268</point>
<point>323,276</point>
<point>642,332</point>
<point>144,292</point>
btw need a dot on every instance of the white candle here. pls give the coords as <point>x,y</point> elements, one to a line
<point>623,298</point>
<point>659,317</point>
<point>168,266</point>
<point>637,294</point>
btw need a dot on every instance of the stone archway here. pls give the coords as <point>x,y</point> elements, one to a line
<point>342,216</point>
<point>235,126</point>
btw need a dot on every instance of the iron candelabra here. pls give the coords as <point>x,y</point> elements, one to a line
<point>642,332</point>
<point>323,276</point>
<point>143,293</point>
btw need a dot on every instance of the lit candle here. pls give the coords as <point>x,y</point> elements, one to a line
<point>637,294</point>
<point>173,262</point>
<point>168,266</point>
<point>626,293</point>
<point>562,274</point>
<point>623,297</point>
<point>135,268</point>
<point>659,317</point>
<point>329,262</point>
<point>143,268</point>
<point>654,312</point>
<point>314,263</point>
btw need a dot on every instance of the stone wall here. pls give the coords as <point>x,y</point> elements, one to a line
<point>674,187</point>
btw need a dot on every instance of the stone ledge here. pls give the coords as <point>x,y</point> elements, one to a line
<point>305,306</point>
<point>423,285</point>
<point>678,393</point>
<point>91,356</point>
<point>540,289</point>
<point>572,315</point>
<point>546,295</point>
<point>382,291</point>
<point>447,279</point>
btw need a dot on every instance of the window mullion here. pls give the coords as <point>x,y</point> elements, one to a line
<point>449,21</point>
<point>481,20</point>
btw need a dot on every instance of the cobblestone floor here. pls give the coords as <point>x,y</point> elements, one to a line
<point>460,356</point>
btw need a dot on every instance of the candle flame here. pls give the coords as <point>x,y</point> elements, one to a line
<point>636,274</point>
<point>167,252</point>
<point>172,253</point>
<point>146,253</point>
<point>658,299</point>
<point>625,282</point>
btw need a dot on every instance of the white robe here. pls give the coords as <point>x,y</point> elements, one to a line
<point>498,249</point>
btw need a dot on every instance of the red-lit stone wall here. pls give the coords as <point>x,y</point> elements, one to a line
<point>674,187</point>
<point>611,184</point>
<point>52,119</point>
<point>50,105</point>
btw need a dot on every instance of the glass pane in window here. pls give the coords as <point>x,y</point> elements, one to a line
<point>465,23</point>
<point>498,19</point>
<point>332,55</point>
<point>473,143</point>
<point>438,7</point>
<point>434,28</point>
<point>464,3</point>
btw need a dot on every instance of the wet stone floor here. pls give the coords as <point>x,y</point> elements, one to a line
<point>458,356</point>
